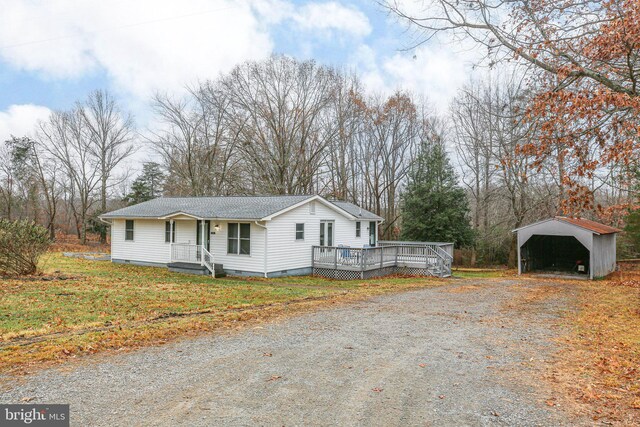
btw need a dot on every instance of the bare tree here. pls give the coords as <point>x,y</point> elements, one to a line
<point>392,130</point>
<point>109,133</point>
<point>64,134</point>
<point>279,107</point>
<point>7,183</point>
<point>197,141</point>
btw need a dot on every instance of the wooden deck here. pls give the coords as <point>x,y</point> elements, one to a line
<point>419,258</point>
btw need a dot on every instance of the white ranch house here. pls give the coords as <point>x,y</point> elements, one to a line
<point>266,236</point>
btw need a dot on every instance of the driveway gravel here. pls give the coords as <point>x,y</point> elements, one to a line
<point>452,355</point>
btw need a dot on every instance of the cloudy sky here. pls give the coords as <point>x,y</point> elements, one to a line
<point>53,52</point>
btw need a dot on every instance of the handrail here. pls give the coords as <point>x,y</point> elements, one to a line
<point>207,260</point>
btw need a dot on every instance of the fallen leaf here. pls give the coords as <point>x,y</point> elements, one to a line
<point>274,377</point>
<point>267,354</point>
<point>27,399</point>
<point>441,396</point>
<point>422,365</point>
<point>376,389</point>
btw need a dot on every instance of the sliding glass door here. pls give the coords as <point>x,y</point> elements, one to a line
<point>326,233</point>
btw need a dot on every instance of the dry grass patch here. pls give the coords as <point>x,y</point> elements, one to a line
<point>82,307</point>
<point>600,364</point>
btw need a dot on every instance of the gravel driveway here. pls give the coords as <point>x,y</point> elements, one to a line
<point>452,355</point>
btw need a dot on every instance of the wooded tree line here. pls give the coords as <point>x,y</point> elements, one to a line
<point>64,173</point>
<point>277,126</point>
<point>282,126</point>
<point>577,121</point>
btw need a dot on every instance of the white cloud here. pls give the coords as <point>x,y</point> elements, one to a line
<point>148,45</point>
<point>142,45</point>
<point>435,71</point>
<point>332,16</point>
<point>19,120</point>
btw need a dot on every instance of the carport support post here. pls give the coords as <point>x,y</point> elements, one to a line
<point>519,259</point>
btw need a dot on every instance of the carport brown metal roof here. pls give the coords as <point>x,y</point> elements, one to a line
<point>586,224</point>
<point>596,227</point>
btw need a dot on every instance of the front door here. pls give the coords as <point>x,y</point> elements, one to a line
<point>326,233</point>
<point>207,234</point>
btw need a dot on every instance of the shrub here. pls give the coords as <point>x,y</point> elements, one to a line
<point>21,245</point>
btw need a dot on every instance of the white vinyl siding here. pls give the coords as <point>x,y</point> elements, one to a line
<point>148,245</point>
<point>282,255</point>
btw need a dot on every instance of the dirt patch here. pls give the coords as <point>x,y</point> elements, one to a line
<point>462,289</point>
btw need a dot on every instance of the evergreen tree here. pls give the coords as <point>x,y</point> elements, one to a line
<point>148,185</point>
<point>434,207</point>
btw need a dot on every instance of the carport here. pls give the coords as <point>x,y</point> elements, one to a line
<point>569,246</point>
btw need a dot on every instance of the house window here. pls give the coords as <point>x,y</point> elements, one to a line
<point>168,237</point>
<point>300,231</point>
<point>128,229</point>
<point>239,238</point>
<point>358,229</point>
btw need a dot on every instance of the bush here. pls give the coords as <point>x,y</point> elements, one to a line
<point>21,245</point>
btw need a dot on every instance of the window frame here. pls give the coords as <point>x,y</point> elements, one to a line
<point>169,237</point>
<point>127,230</point>
<point>238,238</point>
<point>299,231</point>
<point>358,229</point>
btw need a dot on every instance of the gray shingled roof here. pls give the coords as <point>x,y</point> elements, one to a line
<point>356,210</point>
<point>229,207</point>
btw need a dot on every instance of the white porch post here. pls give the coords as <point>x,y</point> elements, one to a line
<point>171,238</point>
<point>202,242</point>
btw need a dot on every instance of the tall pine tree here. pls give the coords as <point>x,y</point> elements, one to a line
<point>434,207</point>
<point>148,185</point>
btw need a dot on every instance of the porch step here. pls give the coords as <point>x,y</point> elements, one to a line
<point>190,268</point>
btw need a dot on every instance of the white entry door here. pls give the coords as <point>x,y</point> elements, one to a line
<point>326,233</point>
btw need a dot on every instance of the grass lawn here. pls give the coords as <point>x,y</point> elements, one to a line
<point>81,307</point>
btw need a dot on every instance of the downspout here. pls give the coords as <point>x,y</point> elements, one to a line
<point>266,239</point>
<point>109,223</point>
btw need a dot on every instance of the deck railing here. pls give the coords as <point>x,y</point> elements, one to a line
<point>445,246</point>
<point>431,256</point>
<point>194,254</point>
<point>186,252</point>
